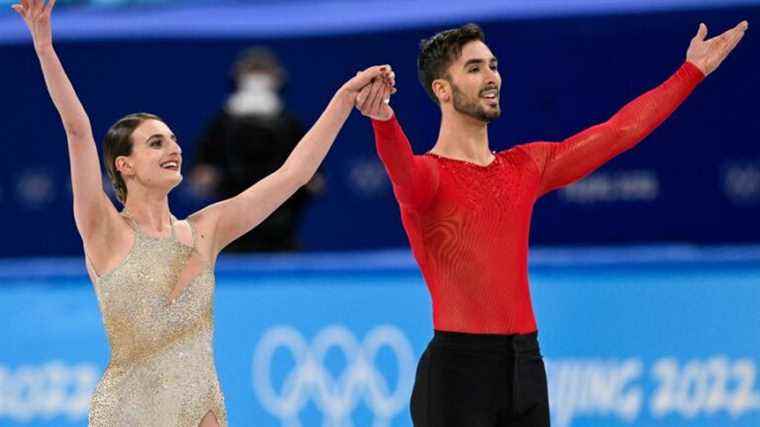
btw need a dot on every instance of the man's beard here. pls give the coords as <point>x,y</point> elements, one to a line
<point>473,108</point>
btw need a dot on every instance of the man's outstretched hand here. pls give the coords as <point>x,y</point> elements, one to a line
<point>708,54</point>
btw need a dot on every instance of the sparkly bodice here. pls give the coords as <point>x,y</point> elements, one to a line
<point>161,371</point>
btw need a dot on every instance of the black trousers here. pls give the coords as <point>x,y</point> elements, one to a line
<point>474,380</point>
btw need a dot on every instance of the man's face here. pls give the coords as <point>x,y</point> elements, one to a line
<point>475,82</point>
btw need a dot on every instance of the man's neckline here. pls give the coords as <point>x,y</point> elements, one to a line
<point>467,162</point>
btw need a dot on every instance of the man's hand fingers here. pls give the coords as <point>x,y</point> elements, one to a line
<point>735,32</point>
<point>366,105</point>
<point>387,92</point>
<point>37,6</point>
<point>49,6</point>
<point>375,85</point>
<point>738,33</point>
<point>701,32</point>
<point>362,96</point>
<point>735,40</point>
<point>375,97</point>
<point>707,54</point>
<point>366,94</point>
<point>727,41</point>
<point>377,101</point>
<point>389,77</point>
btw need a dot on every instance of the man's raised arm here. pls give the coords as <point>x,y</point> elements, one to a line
<point>563,163</point>
<point>414,178</point>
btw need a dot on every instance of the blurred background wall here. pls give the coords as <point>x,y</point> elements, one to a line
<point>696,179</point>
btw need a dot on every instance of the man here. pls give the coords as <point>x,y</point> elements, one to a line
<point>249,139</point>
<point>467,212</point>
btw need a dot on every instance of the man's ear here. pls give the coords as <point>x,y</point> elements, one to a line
<point>442,90</point>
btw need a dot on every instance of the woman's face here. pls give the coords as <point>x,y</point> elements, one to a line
<point>156,158</point>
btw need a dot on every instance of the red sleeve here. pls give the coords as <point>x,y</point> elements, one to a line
<point>414,178</point>
<point>563,163</point>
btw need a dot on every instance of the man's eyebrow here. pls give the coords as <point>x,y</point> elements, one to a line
<point>479,61</point>
<point>474,61</point>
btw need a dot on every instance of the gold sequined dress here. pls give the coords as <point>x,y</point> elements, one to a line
<point>161,371</point>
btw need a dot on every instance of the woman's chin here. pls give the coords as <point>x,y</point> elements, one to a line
<point>170,182</point>
<point>176,180</point>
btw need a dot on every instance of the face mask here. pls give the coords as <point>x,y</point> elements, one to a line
<point>256,95</point>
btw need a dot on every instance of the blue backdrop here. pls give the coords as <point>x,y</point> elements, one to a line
<point>696,179</point>
<point>645,337</point>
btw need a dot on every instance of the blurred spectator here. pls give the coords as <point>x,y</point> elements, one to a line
<point>247,140</point>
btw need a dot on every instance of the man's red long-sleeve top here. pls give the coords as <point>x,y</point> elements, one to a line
<point>468,225</point>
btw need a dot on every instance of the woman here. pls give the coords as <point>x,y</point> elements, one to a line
<point>152,273</point>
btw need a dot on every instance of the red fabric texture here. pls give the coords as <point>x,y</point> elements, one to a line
<point>468,225</point>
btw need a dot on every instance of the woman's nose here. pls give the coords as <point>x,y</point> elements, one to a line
<point>175,148</point>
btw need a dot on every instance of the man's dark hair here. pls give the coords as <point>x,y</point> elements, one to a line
<point>438,52</point>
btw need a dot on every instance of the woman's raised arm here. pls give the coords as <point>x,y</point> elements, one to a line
<point>92,209</point>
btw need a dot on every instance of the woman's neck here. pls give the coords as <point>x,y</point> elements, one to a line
<point>151,213</point>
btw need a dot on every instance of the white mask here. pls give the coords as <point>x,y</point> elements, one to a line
<point>256,95</point>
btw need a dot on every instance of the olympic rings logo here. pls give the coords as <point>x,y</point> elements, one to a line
<point>335,396</point>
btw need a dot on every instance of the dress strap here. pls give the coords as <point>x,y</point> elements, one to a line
<point>171,226</point>
<point>192,233</point>
<point>125,214</point>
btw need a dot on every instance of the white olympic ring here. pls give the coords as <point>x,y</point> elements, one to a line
<point>336,397</point>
